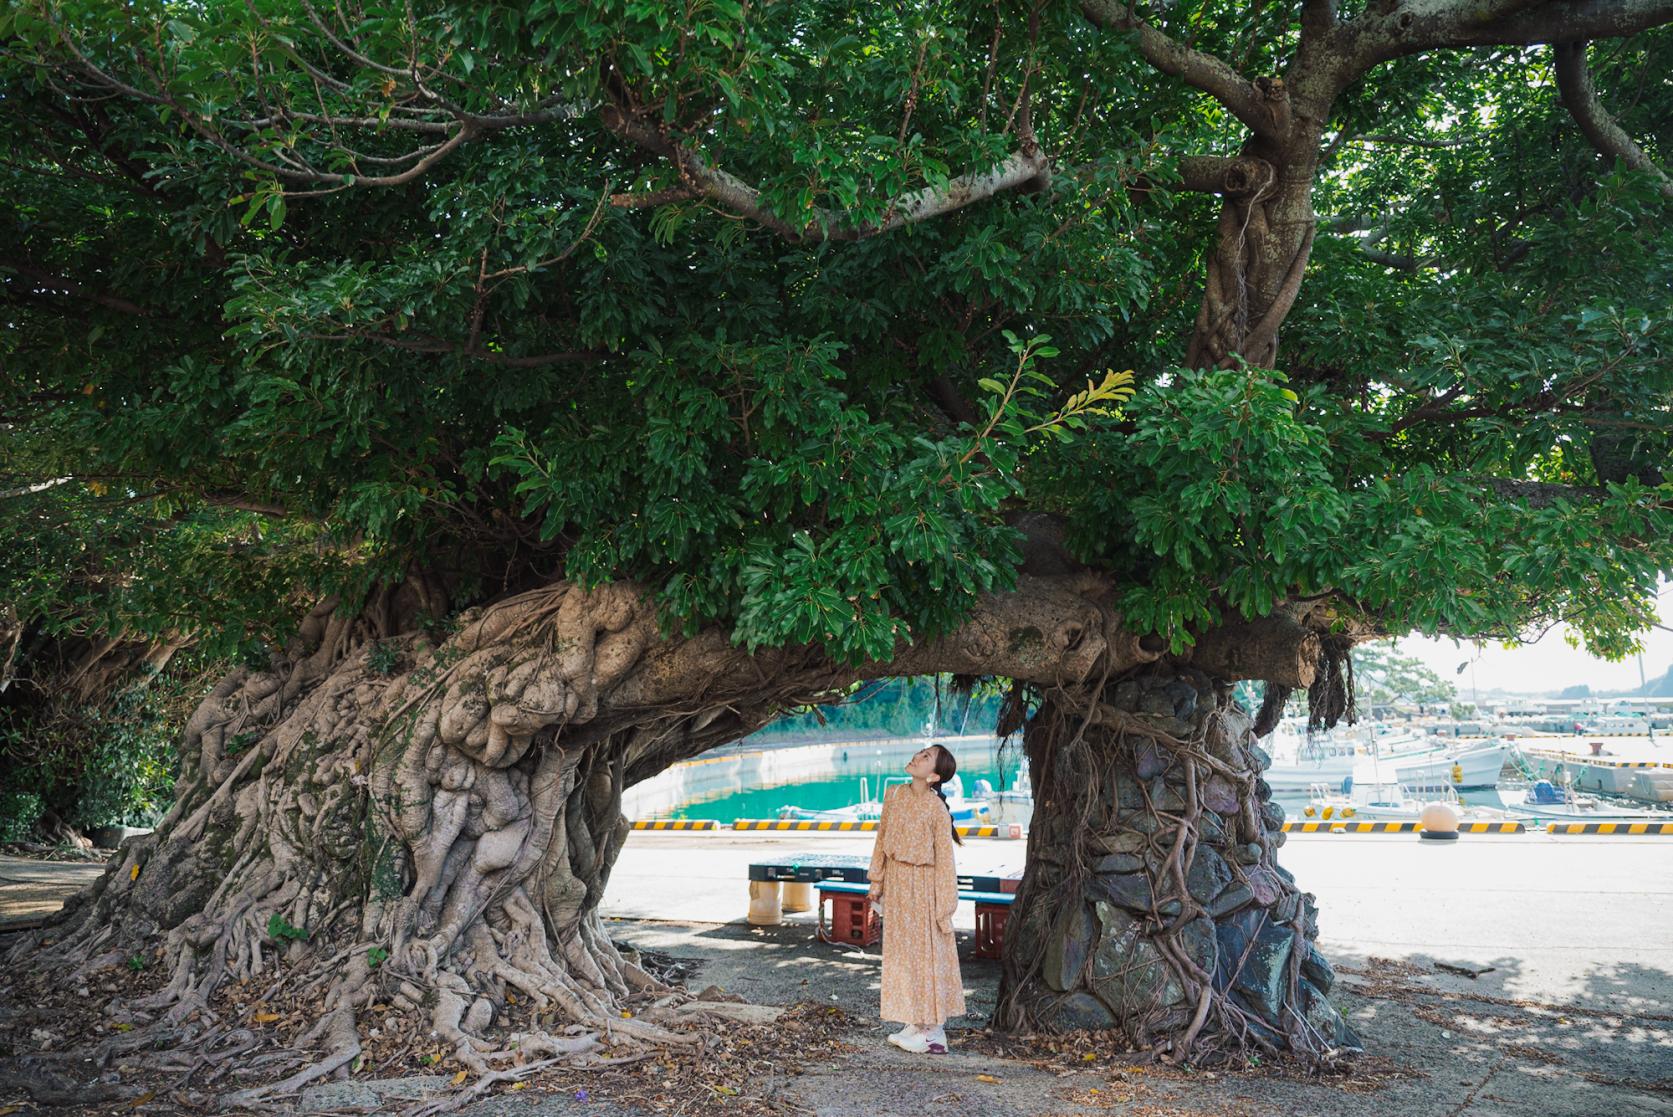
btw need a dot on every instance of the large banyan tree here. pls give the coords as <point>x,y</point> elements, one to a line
<point>597,381</point>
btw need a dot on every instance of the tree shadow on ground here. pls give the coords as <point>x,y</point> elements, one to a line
<point>1440,1044</point>
<point>1491,1047</point>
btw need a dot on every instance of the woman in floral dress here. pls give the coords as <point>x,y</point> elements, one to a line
<point>912,870</point>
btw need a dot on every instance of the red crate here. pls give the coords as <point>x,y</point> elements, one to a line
<point>848,918</point>
<point>990,930</point>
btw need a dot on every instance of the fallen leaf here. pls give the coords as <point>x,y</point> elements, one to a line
<point>986,1078</point>
<point>133,874</point>
<point>519,1085</point>
<point>510,998</point>
<point>1088,1057</point>
<point>265,1017</point>
<point>459,1079</point>
<point>141,1100</point>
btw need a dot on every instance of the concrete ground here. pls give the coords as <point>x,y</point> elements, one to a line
<point>32,890</point>
<point>1555,916</point>
<point>1575,1019</point>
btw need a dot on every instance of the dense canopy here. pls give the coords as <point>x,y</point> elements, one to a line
<point>734,301</point>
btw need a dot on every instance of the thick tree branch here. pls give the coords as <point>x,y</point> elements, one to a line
<point>1219,174</point>
<point>1274,648</point>
<point>1394,30</point>
<point>1579,96</point>
<point>1541,494</point>
<point>1263,107</point>
<point>1052,631</point>
<point>1026,167</point>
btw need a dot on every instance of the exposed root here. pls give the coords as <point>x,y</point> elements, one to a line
<point>380,823</point>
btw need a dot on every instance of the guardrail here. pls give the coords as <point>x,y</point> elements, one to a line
<point>810,826</point>
<point>1624,828</point>
<point>1594,761</point>
<point>1398,827</point>
<point>829,827</point>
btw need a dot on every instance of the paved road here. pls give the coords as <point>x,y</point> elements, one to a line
<point>1579,919</point>
<point>32,889</point>
<point>1586,919</point>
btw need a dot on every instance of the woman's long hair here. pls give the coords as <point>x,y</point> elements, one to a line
<point>945,769</point>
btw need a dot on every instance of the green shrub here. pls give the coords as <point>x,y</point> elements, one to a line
<point>19,811</point>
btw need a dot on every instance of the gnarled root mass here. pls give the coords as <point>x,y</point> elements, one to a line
<point>383,821</point>
<point>1154,903</point>
<point>434,836</point>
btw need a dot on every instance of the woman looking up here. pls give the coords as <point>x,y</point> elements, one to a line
<point>912,865</point>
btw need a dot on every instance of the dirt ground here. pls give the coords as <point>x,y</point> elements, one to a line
<point>1440,1045</point>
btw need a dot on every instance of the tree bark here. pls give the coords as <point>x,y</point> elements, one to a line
<point>1262,242</point>
<point>1153,903</point>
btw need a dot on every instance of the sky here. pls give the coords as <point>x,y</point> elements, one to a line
<point>1548,665</point>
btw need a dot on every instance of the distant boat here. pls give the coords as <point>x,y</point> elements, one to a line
<point>1546,800</point>
<point>1417,761</point>
<point>1016,804</point>
<point>1387,802</point>
<point>1467,766</point>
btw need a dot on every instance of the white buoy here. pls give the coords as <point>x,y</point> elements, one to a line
<point>1439,821</point>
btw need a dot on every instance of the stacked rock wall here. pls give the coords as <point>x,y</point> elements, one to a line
<point>1154,903</point>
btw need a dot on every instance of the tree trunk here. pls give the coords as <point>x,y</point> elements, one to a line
<point>1262,243</point>
<point>1153,902</point>
<point>436,838</point>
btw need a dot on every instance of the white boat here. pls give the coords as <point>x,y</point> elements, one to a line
<point>1418,761</point>
<point>1004,807</point>
<point>1300,760</point>
<point>1466,766</point>
<point>1546,800</point>
<point>1388,802</point>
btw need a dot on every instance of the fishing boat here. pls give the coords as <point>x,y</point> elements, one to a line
<point>1387,802</point>
<point>1464,766</point>
<point>1544,800</point>
<point>1418,761</point>
<point>1300,760</point>
<point>1015,804</point>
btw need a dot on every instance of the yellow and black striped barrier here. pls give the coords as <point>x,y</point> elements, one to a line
<point>1594,761</point>
<point>1351,827</point>
<point>799,824</point>
<point>1398,827</point>
<point>1609,828</point>
<point>675,824</point>
<point>828,827</point>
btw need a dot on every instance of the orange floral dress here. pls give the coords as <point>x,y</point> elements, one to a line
<point>912,866</point>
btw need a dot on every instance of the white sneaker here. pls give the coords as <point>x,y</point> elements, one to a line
<point>935,1040</point>
<point>915,1042</point>
<point>904,1033</point>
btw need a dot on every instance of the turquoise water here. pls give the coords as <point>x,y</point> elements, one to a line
<point>975,763</point>
<point>844,790</point>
